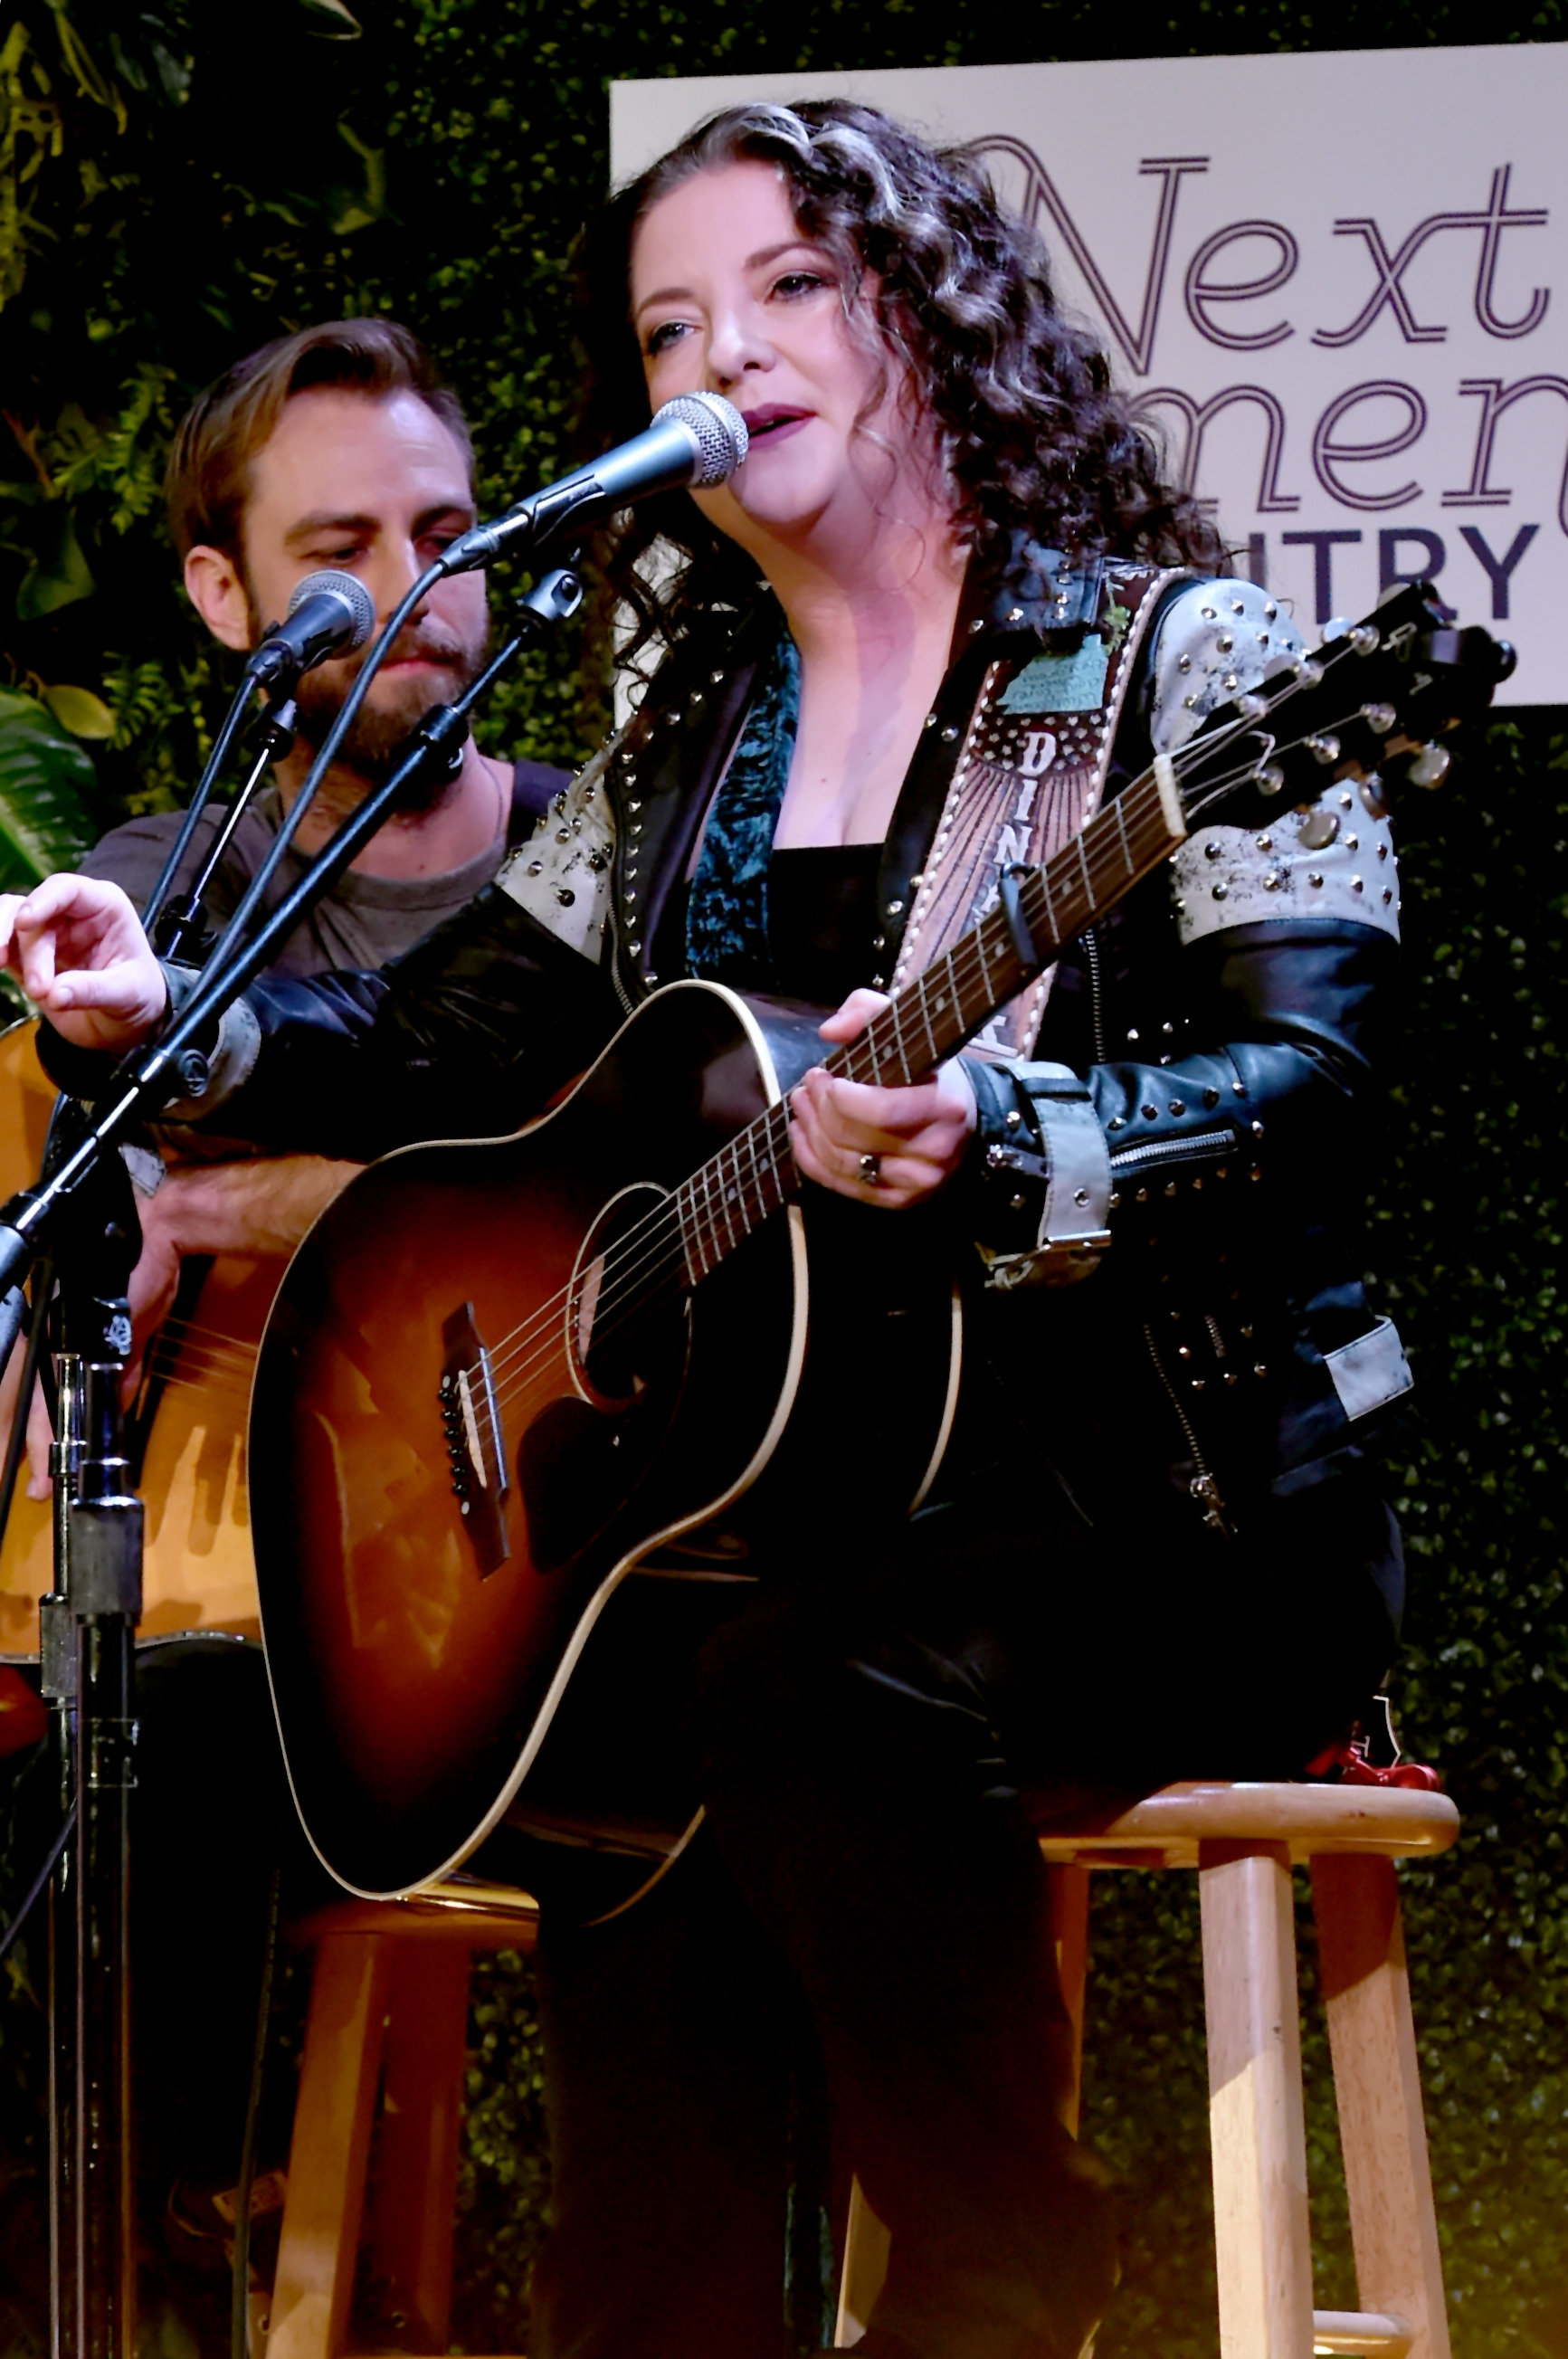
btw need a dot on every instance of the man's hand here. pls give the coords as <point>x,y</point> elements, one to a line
<point>76,946</point>
<point>892,1147</point>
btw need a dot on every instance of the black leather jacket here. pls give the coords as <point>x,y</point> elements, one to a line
<point>1221,1342</point>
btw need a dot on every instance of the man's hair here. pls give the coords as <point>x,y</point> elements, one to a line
<point>1030,429</point>
<point>208,482</point>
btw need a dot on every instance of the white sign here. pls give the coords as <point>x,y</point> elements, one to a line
<point>1338,282</point>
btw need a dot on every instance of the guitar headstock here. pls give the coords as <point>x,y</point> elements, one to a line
<point>1373,702</point>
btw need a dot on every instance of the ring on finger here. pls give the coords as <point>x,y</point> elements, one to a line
<point>871,1170</point>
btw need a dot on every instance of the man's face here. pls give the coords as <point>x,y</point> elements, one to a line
<point>376,487</point>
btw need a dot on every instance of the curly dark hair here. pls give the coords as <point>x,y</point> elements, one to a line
<point>1031,429</point>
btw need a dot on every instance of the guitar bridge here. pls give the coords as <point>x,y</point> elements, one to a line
<point>475,1447</point>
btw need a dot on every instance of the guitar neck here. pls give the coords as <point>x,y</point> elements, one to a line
<point>959,993</point>
<point>934,1016</point>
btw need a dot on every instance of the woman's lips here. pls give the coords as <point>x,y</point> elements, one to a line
<point>765,426</point>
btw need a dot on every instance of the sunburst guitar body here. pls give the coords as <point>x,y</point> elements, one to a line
<point>492,1387</point>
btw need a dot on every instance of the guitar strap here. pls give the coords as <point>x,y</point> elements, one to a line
<point>1029,774</point>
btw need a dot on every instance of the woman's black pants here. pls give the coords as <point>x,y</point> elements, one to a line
<point>873,1744</point>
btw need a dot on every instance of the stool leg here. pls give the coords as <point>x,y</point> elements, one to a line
<point>1070,1929</point>
<point>1261,2236</point>
<point>1376,2081</point>
<point>416,2193</point>
<point>867,2245</point>
<point>330,2149</point>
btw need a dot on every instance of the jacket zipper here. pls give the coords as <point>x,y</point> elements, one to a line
<point>1203,1490</point>
<point>1175,1150</point>
<point>1096,1012</point>
<point>628,1004</point>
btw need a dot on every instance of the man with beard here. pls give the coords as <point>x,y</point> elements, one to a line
<point>335,447</point>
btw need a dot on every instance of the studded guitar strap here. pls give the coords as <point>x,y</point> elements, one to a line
<point>1031,772</point>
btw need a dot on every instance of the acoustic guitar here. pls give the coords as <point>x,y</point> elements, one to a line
<point>499,1377</point>
<point>188,1428</point>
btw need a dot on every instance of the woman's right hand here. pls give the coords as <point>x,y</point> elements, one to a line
<point>76,946</point>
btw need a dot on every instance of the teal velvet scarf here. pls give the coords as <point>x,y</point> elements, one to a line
<point>726,911</point>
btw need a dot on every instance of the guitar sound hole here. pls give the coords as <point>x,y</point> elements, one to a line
<point>627,1322</point>
<point>627,1308</point>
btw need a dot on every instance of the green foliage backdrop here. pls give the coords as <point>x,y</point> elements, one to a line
<point>180,179</point>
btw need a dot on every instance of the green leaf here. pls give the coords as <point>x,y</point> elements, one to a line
<point>366,206</point>
<point>47,784</point>
<point>59,574</point>
<point>343,25</point>
<point>78,710</point>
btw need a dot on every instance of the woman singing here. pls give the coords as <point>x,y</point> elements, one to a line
<point>945,601</point>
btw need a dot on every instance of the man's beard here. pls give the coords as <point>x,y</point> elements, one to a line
<point>380,727</point>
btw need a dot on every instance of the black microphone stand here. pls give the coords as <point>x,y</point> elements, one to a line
<point>82,1217</point>
<point>233,722</point>
<point>176,927</point>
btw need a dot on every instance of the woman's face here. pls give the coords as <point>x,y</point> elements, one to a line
<point>728,297</point>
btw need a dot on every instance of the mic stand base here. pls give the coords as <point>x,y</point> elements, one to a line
<point>61,2001</point>
<point>106,2208</point>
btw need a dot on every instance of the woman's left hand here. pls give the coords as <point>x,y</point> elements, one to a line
<point>891,1148</point>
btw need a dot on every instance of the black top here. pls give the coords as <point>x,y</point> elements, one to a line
<point>821,919</point>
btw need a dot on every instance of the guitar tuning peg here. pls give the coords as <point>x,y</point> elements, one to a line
<point>1271,779</point>
<point>1430,766</point>
<point>1253,706</point>
<point>1365,638</point>
<point>1339,627</point>
<point>1380,719</point>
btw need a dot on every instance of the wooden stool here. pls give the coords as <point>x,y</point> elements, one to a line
<point>1244,1840</point>
<point>390,1986</point>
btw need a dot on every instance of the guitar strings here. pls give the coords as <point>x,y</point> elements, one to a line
<point>211,1344</point>
<point>171,1368</point>
<point>171,1364</point>
<point>178,1323</point>
<point>174,1348</point>
<point>650,1267</point>
<point>188,1339</point>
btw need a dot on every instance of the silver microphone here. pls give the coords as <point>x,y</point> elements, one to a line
<point>697,440</point>
<point>330,612</point>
